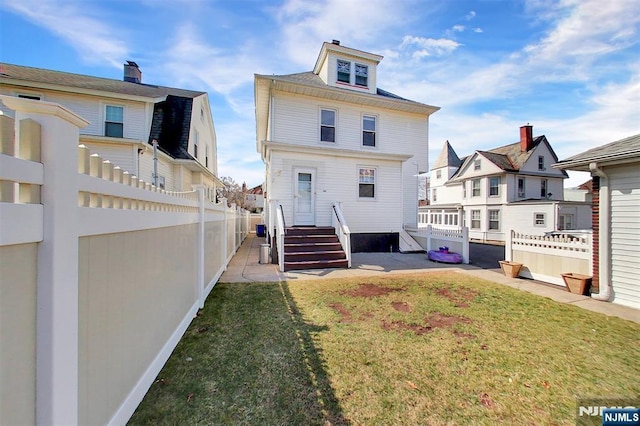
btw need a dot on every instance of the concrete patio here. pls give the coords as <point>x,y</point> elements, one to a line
<point>245,267</point>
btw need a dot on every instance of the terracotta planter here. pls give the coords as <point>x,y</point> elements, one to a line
<point>510,269</point>
<point>577,283</point>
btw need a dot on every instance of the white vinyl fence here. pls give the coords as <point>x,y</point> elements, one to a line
<point>431,238</point>
<point>115,268</point>
<point>545,258</point>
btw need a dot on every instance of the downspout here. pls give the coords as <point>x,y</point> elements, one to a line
<point>604,236</point>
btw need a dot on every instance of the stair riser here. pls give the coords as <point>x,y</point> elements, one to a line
<point>321,265</point>
<point>311,247</point>
<point>310,231</point>
<point>297,257</point>
<point>311,239</point>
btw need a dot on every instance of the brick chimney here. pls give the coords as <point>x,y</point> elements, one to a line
<point>526,137</point>
<point>132,72</point>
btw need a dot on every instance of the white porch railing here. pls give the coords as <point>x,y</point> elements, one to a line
<point>339,223</point>
<point>546,258</point>
<point>280,229</point>
<point>431,238</point>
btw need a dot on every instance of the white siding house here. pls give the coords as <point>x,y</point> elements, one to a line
<point>615,168</point>
<point>510,187</point>
<point>331,135</point>
<point>126,116</point>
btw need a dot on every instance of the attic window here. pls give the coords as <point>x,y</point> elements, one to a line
<point>438,174</point>
<point>541,163</point>
<point>476,165</point>
<point>344,71</point>
<point>362,74</point>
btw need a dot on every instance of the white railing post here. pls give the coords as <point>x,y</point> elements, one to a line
<point>465,245</point>
<point>200,284</point>
<point>57,291</point>
<point>508,246</point>
<point>429,229</point>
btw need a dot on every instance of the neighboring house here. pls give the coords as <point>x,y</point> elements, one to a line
<point>126,116</point>
<point>509,187</point>
<point>615,168</point>
<point>253,198</point>
<point>331,135</point>
<point>583,192</point>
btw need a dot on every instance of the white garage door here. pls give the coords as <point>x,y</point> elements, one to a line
<point>625,234</point>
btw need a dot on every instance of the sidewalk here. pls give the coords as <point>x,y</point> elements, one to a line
<point>245,267</point>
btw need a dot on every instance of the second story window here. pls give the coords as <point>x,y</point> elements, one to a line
<point>543,188</point>
<point>435,195</point>
<point>438,174</point>
<point>521,190</point>
<point>475,188</point>
<point>541,163</point>
<point>464,189</point>
<point>494,186</point>
<point>196,141</point>
<point>114,121</point>
<point>327,125</point>
<point>368,130</point>
<point>344,71</point>
<point>366,182</point>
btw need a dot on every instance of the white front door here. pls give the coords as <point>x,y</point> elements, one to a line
<point>304,197</point>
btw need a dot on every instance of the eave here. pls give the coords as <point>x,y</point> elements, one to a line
<point>333,152</point>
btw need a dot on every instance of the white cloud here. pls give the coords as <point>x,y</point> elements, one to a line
<point>469,16</point>
<point>477,30</point>
<point>95,41</point>
<point>429,46</point>
<point>458,28</point>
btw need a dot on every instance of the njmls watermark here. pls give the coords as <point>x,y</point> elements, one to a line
<point>608,411</point>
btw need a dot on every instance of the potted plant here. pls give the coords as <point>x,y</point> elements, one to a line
<point>577,283</point>
<point>509,268</point>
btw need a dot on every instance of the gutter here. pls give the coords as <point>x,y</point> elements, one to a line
<point>604,236</point>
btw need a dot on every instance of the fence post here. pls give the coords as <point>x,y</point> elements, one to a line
<point>429,227</point>
<point>465,245</point>
<point>225,233</point>
<point>57,291</point>
<point>508,255</point>
<point>200,284</point>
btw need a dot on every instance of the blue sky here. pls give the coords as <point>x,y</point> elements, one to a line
<point>571,68</point>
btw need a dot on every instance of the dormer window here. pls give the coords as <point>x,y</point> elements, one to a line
<point>362,74</point>
<point>344,71</point>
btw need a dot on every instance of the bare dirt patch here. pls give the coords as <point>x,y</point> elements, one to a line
<point>401,306</point>
<point>433,321</point>
<point>401,326</point>
<point>345,315</point>
<point>371,290</point>
<point>437,320</point>
<point>460,296</point>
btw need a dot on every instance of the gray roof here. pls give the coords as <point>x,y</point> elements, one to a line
<point>79,81</point>
<point>623,149</point>
<point>447,157</point>
<point>311,79</point>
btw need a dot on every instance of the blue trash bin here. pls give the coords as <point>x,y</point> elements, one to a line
<point>260,229</point>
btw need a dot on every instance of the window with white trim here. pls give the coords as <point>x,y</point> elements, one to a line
<point>475,188</point>
<point>475,219</point>
<point>521,188</point>
<point>541,162</point>
<point>196,141</point>
<point>327,125</point>
<point>464,189</point>
<point>344,71</point>
<point>362,75</point>
<point>368,130</point>
<point>543,188</point>
<point>494,186</point>
<point>438,174</point>
<point>565,221</point>
<point>366,182</point>
<point>434,195</point>
<point>352,73</point>
<point>114,121</point>
<point>494,220</point>
<point>539,219</point>
<point>476,164</point>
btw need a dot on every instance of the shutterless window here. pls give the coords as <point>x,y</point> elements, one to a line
<point>494,186</point>
<point>344,71</point>
<point>464,189</point>
<point>543,188</point>
<point>114,121</point>
<point>327,125</point>
<point>366,182</point>
<point>475,219</point>
<point>541,162</point>
<point>368,130</point>
<point>362,75</point>
<point>521,190</point>
<point>494,220</point>
<point>475,188</point>
<point>438,174</point>
<point>476,165</point>
<point>435,196</point>
<point>538,219</point>
<point>196,141</point>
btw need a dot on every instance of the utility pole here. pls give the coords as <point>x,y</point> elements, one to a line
<point>155,162</point>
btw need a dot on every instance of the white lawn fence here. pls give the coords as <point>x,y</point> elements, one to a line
<point>432,238</point>
<point>115,268</point>
<point>546,258</point>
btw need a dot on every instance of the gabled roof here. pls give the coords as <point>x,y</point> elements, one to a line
<point>171,124</point>
<point>27,76</point>
<point>621,150</point>
<point>447,157</point>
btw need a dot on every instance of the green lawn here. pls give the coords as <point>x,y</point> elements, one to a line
<point>434,348</point>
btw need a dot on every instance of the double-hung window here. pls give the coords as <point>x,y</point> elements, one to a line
<point>114,121</point>
<point>521,188</point>
<point>362,75</point>
<point>368,130</point>
<point>327,125</point>
<point>539,219</point>
<point>494,186</point>
<point>434,195</point>
<point>344,71</point>
<point>196,142</point>
<point>476,165</point>
<point>541,162</point>
<point>464,189</point>
<point>475,219</point>
<point>366,182</point>
<point>475,188</point>
<point>494,220</point>
<point>543,188</point>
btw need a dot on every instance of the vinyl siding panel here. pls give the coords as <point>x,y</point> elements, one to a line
<point>625,234</point>
<point>123,156</point>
